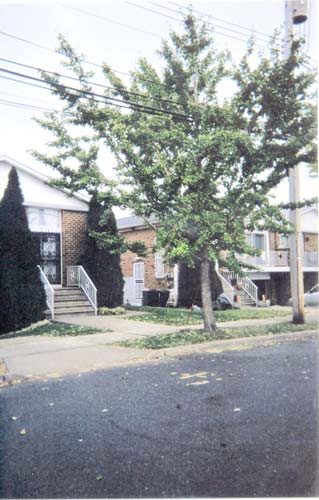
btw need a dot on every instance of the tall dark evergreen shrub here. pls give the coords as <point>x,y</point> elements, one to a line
<point>22,297</point>
<point>189,289</point>
<point>101,263</point>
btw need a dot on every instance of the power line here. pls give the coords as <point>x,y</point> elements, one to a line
<point>179,20</point>
<point>24,105</point>
<point>86,61</point>
<point>222,20</point>
<point>112,21</point>
<point>128,92</point>
<point>106,100</point>
<point>207,15</point>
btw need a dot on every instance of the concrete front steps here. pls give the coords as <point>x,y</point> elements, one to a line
<point>71,301</point>
<point>244,299</point>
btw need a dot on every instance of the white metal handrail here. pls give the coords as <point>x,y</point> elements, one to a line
<point>77,276</point>
<point>227,288</point>
<point>251,289</point>
<point>248,286</point>
<point>49,291</point>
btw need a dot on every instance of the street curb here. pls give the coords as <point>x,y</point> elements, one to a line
<point>233,344</point>
<point>145,356</point>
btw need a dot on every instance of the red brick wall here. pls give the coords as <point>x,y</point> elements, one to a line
<point>74,225</point>
<point>128,258</point>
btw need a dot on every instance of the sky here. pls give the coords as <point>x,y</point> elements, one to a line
<point>118,33</point>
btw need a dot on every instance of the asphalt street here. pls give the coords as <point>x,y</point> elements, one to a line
<point>233,424</point>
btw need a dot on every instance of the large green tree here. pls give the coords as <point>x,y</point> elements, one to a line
<point>202,163</point>
<point>22,297</point>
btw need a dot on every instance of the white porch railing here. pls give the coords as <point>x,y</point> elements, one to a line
<point>49,291</point>
<point>227,288</point>
<point>279,258</point>
<point>248,286</point>
<point>77,276</point>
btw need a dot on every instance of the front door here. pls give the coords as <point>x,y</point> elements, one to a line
<point>49,244</point>
<point>138,272</point>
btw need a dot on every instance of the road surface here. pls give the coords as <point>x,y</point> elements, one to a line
<point>232,424</point>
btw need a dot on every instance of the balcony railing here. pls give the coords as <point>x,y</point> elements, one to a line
<point>280,258</point>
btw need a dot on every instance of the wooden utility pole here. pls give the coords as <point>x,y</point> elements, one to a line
<point>295,13</point>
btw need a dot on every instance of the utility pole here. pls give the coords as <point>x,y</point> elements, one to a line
<point>295,13</point>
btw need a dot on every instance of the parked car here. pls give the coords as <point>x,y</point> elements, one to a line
<point>311,297</point>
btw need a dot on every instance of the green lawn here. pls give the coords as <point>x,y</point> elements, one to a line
<point>51,329</point>
<point>186,317</point>
<point>186,337</point>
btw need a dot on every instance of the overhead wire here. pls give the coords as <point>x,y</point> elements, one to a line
<point>103,18</point>
<point>128,92</point>
<point>106,100</point>
<point>222,20</point>
<point>24,105</point>
<point>86,61</point>
<point>210,24</point>
<point>252,31</point>
<point>179,20</point>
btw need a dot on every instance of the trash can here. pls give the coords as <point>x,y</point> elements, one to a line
<point>163,297</point>
<point>145,300</point>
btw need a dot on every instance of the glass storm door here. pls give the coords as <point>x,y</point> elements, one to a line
<point>50,256</point>
<point>138,271</point>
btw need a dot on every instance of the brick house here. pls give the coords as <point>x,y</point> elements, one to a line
<point>58,221</point>
<point>271,279</point>
<point>143,273</point>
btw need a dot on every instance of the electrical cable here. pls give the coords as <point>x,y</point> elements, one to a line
<point>86,61</point>
<point>135,94</point>
<point>24,105</point>
<point>179,20</point>
<point>222,20</point>
<point>106,100</point>
<point>252,31</point>
<point>103,18</point>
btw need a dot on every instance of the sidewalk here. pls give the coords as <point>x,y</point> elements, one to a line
<point>29,358</point>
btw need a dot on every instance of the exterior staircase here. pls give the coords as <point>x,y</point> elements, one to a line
<point>71,300</point>
<point>237,287</point>
<point>244,299</point>
<point>79,297</point>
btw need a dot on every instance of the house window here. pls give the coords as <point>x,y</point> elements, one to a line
<point>159,264</point>
<point>259,241</point>
<point>283,241</point>
<point>256,240</point>
<point>43,219</point>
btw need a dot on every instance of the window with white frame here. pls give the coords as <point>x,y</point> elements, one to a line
<point>44,219</point>
<point>283,241</point>
<point>159,264</point>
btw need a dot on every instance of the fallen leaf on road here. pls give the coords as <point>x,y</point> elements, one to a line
<point>199,382</point>
<point>23,432</point>
<point>197,375</point>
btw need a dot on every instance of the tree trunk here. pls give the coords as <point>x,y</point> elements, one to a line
<point>208,315</point>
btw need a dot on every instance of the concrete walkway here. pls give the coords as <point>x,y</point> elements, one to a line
<point>25,358</point>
